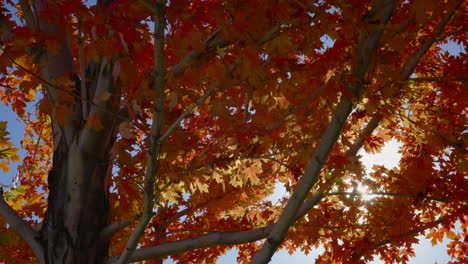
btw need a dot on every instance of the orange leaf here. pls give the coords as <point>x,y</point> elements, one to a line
<point>94,122</point>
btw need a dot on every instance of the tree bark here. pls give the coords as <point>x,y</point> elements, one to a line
<point>78,207</point>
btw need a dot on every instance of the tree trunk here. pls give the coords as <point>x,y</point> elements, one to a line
<point>78,207</point>
<point>78,204</point>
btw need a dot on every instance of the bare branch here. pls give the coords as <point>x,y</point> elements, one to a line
<point>269,35</point>
<point>21,227</point>
<point>59,63</point>
<point>36,147</point>
<point>84,91</point>
<point>5,30</point>
<point>203,241</point>
<point>247,106</point>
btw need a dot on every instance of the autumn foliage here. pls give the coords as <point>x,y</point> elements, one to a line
<point>159,129</point>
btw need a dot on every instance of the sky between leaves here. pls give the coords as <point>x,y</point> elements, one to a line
<point>389,157</point>
<point>16,129</point>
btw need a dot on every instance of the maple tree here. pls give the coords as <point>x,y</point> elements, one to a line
<point>160,128</point>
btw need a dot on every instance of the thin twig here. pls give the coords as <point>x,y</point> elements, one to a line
<point>440,79</point>
<point>200,100</point>
<point>410,233</point>
<point>385,194</point>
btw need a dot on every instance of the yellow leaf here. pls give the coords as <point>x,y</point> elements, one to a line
<point>251,173</point>
<point>232,143</point>
<point>17,204</point>
<point>199,186</point>
<point>34,200</point>
<point>171,196</point>
<point>321,232</point>
<point>15,158</point>
<point>4,166</point>
<point>217,177</point>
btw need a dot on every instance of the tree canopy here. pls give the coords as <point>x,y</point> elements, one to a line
<point>160,128</point>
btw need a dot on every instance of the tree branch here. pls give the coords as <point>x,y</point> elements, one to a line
<point>385,194</point>
<point>213,239</point>
<point>410,233</point>
<point>440,79</point>
<point>296,109</point>
<point>21,227</point>
<point>411,63</point>
<point>366,51</point>
<point>179,69</point>
<point>456,144</point>
<point>113,228</point>
<point>150,5</point>
<point>227,160</point>
<point>74,95</point>
<point>213,42</point>
<point>28,15</point>
<point>154,140</point>
<point>200,100</point>
<point>366,132</point>
<point>210,44</point>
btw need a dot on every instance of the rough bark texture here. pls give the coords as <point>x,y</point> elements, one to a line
<point>76,241</point>
<point>78,203</point>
